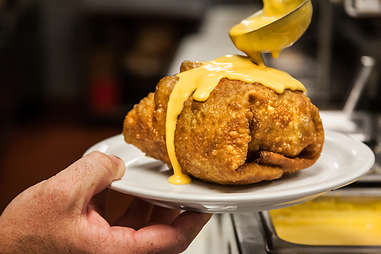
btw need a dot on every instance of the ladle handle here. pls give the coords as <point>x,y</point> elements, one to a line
<point>367,64</point>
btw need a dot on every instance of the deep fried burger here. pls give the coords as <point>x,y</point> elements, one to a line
<point>244,133</point>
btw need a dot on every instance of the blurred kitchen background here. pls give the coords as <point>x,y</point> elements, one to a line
<point>70,70</point>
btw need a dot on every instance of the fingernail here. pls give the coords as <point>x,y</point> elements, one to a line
<point>119,162</point>
<point>116,158</point>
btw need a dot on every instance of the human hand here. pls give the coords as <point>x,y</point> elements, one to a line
<point>59,215</point>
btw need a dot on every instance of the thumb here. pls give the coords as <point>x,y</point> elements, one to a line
<point>90,175</point>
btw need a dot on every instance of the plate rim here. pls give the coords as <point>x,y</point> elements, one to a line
<point>337,183</point>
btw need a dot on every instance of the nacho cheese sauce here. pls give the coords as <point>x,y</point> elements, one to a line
<point>272,11</point>
<point>202,80</point>
<point>331,221</point>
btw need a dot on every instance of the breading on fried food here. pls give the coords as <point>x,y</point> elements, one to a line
<point>244,133</point>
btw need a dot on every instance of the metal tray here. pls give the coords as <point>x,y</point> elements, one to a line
<point>275,245</point>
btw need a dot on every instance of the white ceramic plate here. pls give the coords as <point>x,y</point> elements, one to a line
<point>342,162</point>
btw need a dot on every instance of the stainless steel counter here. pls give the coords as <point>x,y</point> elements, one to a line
<point>248,233</point>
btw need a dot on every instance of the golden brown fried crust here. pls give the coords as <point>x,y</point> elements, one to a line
<point>188,65</point>
<point>139,130</point>
<point>244,133</point>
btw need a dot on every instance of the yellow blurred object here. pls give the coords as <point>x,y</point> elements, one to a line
<point>331,221</point>
<point>277,26</point>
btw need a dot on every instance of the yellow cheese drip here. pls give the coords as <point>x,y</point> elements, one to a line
<point>275,37</point>
<point>201,81</point>
<point>331,221</point>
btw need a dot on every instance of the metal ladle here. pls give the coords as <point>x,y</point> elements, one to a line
<point>277,35</point>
